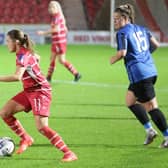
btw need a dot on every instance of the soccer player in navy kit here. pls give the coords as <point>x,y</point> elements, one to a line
<point>135,45</point>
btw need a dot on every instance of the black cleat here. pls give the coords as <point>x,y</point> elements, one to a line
<point>77,77</point>
<point>48,78</point>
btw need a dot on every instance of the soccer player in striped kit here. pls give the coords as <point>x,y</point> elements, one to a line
<point>36,96</point>
<point>58,49</point>
<point>135,44</point>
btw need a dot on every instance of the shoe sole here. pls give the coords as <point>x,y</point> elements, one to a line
<point>69,160</point>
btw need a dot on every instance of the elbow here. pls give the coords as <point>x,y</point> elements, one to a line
<point>17,78</point>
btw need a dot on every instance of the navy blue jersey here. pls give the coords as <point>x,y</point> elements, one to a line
<point>138,60</point>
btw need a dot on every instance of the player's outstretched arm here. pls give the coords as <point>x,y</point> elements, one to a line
<point>44,33</point>
<point>55,28</point>
<point>17,76</point>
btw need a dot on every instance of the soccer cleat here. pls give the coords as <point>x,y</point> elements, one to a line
<point>24,144</point>
<point>48,78</point>
<point>69,157</point>
<point>77,77</point>
<point>150,136</point>
<point>164,144</point>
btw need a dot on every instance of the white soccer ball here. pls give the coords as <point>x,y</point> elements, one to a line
<point>7,146</point>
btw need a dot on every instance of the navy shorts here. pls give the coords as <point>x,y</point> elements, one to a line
<point>144,90</point>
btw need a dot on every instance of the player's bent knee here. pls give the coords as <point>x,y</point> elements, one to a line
<point>150,106</point>
<point>40,129</point>
<point>61,61</point>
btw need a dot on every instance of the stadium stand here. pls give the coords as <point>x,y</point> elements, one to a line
<point>92,8</point>
<point>85,14</point>
<point>160,17</point>
<point>24,11</point>
<point>153,24</point>
<point>166,2</point>
<point>74,14</point>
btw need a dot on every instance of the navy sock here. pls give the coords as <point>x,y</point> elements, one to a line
<point>159,119</point>
<point>140,113</point>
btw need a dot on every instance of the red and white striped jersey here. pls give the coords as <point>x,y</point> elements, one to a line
<point>60,36</point>
<point>32,79</point>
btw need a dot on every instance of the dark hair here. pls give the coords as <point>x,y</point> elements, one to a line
<point>23,39</point>
<point>126,10</point>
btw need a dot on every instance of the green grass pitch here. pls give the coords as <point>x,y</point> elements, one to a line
<point>90,115</point>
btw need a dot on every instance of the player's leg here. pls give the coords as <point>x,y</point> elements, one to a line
<point>158,118</point>
<point>40,103</point>
<point>140,113</point>
<point>52,66</point>
<point>150,103</point>
<point>69,66</point>
<point>9,109</point>
<point>54,138</point>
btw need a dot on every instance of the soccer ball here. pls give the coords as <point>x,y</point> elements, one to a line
<point>7,146</point>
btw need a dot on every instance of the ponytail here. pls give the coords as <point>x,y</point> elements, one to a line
<point>131,13</point>
<point>28,43</point>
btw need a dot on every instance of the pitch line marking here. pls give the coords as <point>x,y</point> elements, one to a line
<point>104,85</point>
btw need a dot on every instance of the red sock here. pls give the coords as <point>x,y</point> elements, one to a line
<point>70,67</point>
<point>16,126</point>
<point>54,138</point>
<point>51,68</point>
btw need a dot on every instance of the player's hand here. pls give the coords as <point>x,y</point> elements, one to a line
<point>112,60</point>
<point>40,32</point>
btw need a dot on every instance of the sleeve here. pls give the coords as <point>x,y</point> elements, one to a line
<point>121,41</point>
<point>20,60</point>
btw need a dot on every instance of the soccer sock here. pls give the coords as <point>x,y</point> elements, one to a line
<point>51,68</point>
<point>54,138</point>
<point>140,113</point>
<point>148,126</point>
<point>160,120</point>
<point>16,126</point>
<point>165,134</point>
<point>70,67</point>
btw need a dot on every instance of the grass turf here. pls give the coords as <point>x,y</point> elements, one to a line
<point>90,115</point>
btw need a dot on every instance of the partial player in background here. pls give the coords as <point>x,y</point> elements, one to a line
<point>135,45</point>
<point>36,96</point>
<point>59,42</point>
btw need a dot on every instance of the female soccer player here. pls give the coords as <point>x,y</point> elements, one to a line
<point>135,45</point>
<point>36,96</point>
<point>58,48</point>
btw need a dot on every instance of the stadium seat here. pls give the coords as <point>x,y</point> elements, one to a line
<point>35,11</point>
<point>92,7</point>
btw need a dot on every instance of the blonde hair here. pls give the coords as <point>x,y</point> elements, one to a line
<point>58,6</point>
<point>126,10</point>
